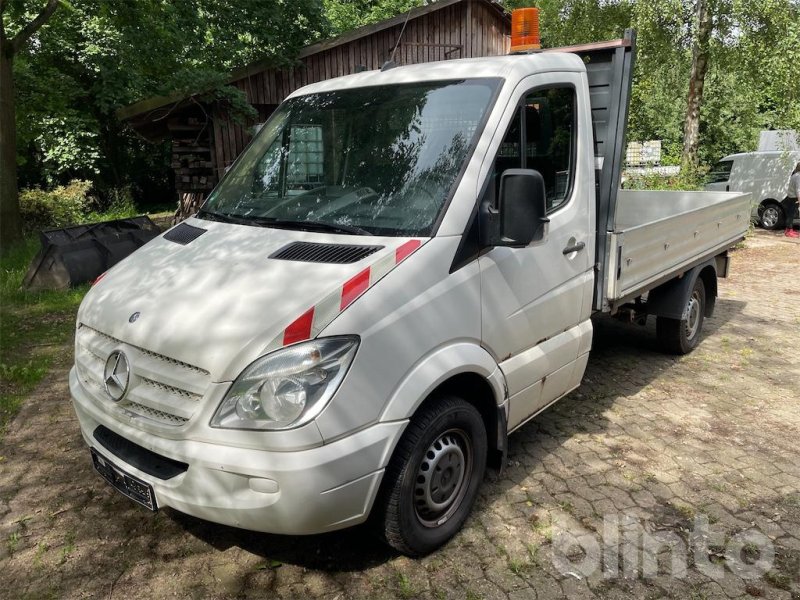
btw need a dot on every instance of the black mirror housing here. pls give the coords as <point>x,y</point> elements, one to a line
<point>521,216</point>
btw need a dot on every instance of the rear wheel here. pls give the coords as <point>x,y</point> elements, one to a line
<point>771,215</point>
<point>680,336</point>
<point>432,480</point>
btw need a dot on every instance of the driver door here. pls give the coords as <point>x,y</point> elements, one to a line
<point>537,299</point>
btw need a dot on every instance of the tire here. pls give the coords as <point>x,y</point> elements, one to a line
<point>680,336</point>
<point>433,477</point>
<point>771,215</point>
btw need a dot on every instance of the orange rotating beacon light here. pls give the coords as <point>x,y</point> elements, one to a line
<point>525,30</point>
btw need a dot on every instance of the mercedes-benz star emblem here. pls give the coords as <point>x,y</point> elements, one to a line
<point>116,375</point>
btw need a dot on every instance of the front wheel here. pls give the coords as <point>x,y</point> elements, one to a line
<point>680,336</point>
<point>433,477</point>
<point>771,215</point>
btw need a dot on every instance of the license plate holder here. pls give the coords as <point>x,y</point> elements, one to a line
<point>128,485</point>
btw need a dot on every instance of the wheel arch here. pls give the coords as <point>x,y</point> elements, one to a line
<point>465,370</point>
<point>669,299</point>
<point>708,274</point>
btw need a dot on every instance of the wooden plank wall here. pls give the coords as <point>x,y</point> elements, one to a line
<point>470,29</point>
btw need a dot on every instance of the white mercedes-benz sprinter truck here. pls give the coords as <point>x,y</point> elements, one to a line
<point>397,272</point>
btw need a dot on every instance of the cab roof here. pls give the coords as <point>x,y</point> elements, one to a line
<point>509,67</point>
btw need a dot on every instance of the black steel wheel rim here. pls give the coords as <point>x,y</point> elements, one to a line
<point>443,477</point>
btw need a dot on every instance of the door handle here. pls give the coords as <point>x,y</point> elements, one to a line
<point>575,248</point>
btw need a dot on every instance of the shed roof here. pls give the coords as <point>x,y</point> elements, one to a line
<point>149,104</point>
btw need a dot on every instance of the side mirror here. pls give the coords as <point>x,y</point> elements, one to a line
<point>521,217</point>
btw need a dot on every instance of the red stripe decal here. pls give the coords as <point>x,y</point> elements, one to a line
<point>403,251</point>
<point>299,330</point>
<point>354,288</point>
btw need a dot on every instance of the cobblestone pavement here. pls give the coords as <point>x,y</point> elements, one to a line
<point>699,452</point>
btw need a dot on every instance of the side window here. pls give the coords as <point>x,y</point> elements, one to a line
<point>509,156</point>
<point>720,172</point>
<point>543,127</point>
<point>549,140</point>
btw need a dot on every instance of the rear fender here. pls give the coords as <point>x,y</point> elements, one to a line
<point>670,298</point>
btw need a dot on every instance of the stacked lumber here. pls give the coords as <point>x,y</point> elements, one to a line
<point>191,155</point>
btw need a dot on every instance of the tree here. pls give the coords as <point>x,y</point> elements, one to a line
<point>97,55</point>
<point>344,15</point>
<point>700,57</point>
<point>10,46</point>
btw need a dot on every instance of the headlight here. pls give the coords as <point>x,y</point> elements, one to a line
<point>288,387</point>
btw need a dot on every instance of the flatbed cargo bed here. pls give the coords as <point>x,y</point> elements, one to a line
<point>658,235</point>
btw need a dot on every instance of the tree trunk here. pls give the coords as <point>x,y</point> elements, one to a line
<point>10,224</point>
<point>700,53</point>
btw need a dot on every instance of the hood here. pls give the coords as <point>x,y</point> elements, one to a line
<point>220,301</point>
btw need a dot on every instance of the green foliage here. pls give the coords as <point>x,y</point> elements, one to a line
<point>95,56</point>
<point>343,15</point>
<point>751,83</point>
<point>120,205</point>
<point>34,326</point>
<point>661,182</point>
<point>62,206</point>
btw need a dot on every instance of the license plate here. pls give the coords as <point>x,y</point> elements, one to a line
<point>132,487</point>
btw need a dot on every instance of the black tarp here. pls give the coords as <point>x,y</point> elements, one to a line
<point>73,255</point>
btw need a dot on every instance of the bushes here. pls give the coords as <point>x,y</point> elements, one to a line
<point>62,206</point>
<point>70,205</point>
<point>119,204</point>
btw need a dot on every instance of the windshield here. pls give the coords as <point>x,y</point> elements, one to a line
<point>376,160</point>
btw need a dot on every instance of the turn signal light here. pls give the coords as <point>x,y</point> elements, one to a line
<point>525,30</point>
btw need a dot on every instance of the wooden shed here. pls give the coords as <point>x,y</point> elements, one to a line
<point>206,140</point>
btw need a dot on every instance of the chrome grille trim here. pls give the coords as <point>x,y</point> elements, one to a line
<point>167,391</point>
<point>152,413</point>
<point>171,389</point>
<point>146,352</point>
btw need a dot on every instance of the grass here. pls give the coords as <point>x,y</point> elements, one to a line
<point>405,587</point>
<point>778,580</point>
<point>517,566</point>
<point>34,326</point>
<point>13,542</point>
<point>69,546</point>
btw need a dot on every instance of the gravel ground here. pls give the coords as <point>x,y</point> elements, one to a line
<point>659,477</point>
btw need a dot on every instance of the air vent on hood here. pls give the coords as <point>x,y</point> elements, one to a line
<point>183,234</point>
<point>325,253</point>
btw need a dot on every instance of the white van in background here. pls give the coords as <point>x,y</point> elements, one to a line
<point>764,174</point>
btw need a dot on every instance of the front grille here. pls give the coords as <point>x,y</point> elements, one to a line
<point>169,389</point>
<point>325,253</point>
<point>162,390</point>
<point>153,414</point>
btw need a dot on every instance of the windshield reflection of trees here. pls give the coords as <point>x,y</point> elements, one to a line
<point>389,157</point>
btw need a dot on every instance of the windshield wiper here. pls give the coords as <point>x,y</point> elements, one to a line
<point>282,223</point>
<point>312,226</point>
<point>336,227</point>
<point>222,217</point>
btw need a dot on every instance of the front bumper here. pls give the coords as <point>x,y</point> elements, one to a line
<point>300,492</point>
